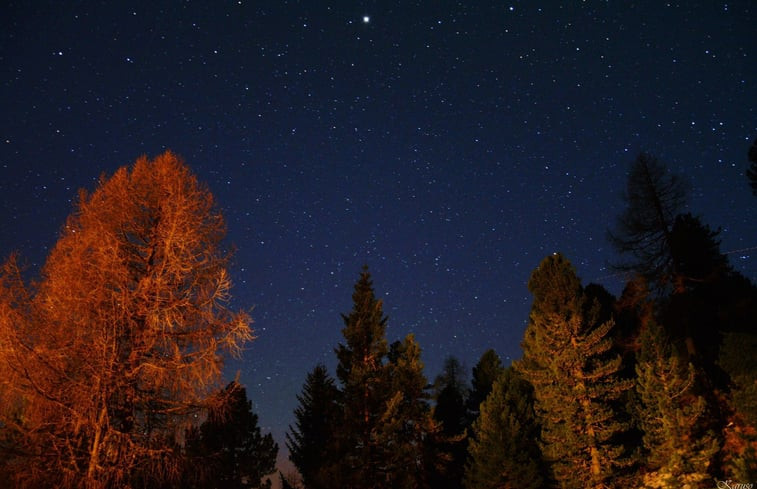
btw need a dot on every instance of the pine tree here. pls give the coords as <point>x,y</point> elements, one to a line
<point>124,333</point>
<point>567,358</point>
<point>485,373</point>
<point>503,449</point>
<point>738,357</point>
<point>229,445</point>
<point>678,449</point>
<point>451,393</point>
<point>451,413</point>
<point>312,442</point>
<point>365,390</point>
<point>408,427</point>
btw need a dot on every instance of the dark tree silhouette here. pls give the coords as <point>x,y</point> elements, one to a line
<point>653,198</point>
<point>451,413</point>
<point>450,396</point>
<point>486,371</point>
<point>229,445</point>
<point>312,442</point>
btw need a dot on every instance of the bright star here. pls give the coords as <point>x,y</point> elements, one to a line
<point>366,19</point>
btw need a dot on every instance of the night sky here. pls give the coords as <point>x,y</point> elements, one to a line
<point>448,145</point>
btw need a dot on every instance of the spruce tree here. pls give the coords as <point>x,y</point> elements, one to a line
<point>229,445</point>
<point>567,358</point>
<point>450,394</point>
<point>451,413</point>
<point>486,371</point>
<point>738,357</point>
<point>678,449</point>
<point>408,427</point>
<point>503,449</point>
<point>312,442</point>
<point>362,372</point>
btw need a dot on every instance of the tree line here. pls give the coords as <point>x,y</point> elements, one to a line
<point>111,361</point>
<point>656,388</point>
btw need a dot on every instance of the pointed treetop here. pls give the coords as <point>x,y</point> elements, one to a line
<point>554,283</point>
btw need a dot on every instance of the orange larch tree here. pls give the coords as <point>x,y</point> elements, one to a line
<point>108,357</point>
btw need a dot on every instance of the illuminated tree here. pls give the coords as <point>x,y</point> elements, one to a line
<point>678,449</point>
<point>365,390</point>
<point>122,339</point>
<point>567,357</point>
<point>738,357</point>
<point>408,426</point>
<point>503,449</point>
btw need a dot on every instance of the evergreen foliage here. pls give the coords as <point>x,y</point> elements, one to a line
<point>567,358</point>
<point>485,373</point>
<point>312,442</point>
<point>408,426</point>
<point>738,357</point>
<point>228,450</point>
<point>451,413</point>
<point>365,390</point>
<point>450,395</point>
<point>678,449</point>
<point>503,449</point>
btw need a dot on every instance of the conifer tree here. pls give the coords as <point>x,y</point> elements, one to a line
<point>365,390</point>
<point>451,393</point>
<point>738,357</point>
<point>229,446</point>
<point>503,449</point>
<point>408,427</point>
<point>567,358</point>
<point>679,450</point>
<point>451,413</point>
<point>643,232</point>
<point>312,442</point>
<point>485,373</point>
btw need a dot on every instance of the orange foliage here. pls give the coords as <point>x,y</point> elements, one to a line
<point>122,339</point>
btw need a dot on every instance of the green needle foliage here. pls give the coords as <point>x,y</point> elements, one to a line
<point>312,442</point>
<point>567,358</point>
<point>503,450</point>
<point>485,373</point>
<point>678,449</point>
<point>362,372</point>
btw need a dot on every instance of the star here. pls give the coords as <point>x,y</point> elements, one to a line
<point>366,19</point>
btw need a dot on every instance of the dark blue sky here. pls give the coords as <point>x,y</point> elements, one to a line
<point>448,145</point>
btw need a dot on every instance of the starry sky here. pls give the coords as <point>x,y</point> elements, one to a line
<point>448,145</point>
